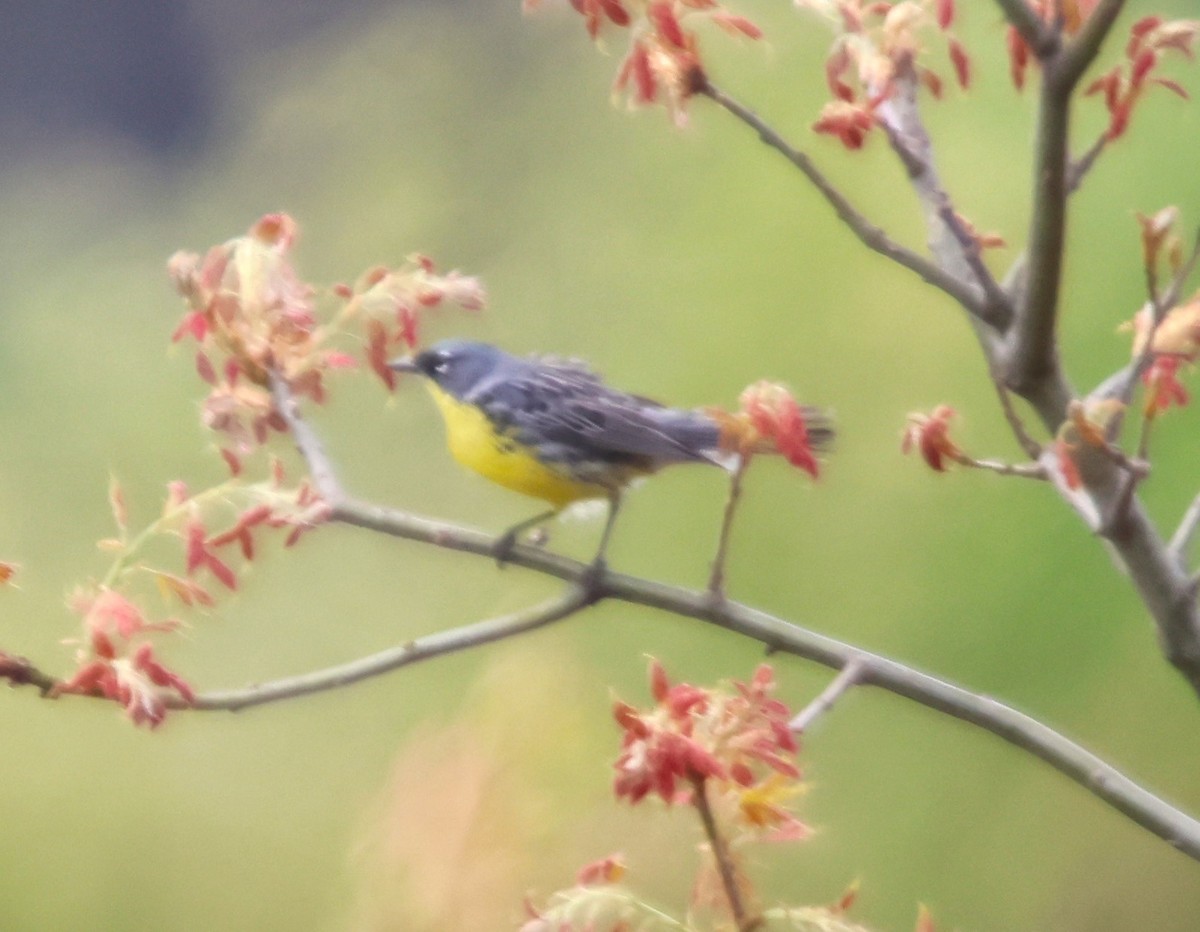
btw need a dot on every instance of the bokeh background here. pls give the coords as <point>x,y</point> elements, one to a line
<point>685,265</point>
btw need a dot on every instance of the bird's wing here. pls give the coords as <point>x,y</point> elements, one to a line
<point>573,416</point>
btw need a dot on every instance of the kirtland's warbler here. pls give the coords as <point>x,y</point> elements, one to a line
<point>551,429</point>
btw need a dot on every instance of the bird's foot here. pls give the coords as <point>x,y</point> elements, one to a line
<point>503,547</point>
<point>592,580</point>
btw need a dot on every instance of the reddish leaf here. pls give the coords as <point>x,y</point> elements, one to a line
<point>961,62</point>
<point>204,368</point>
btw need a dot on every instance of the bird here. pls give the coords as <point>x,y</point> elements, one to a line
<point>551,429</point>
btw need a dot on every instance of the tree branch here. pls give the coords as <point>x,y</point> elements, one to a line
<point>1032,360</point>
<point>575,598</point>
<point>950,242</point>
<point>967,295</point>
<point>1033,370</point>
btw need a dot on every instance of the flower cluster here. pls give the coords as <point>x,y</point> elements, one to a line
<point>254,318</point>
<point>1122,86</point>
<point>116,658</point>
<point>117,662</point>
<point>734,740</point>
<point>770,420</point>
<point>1171,341</point>
<point>929,435</point>
<point>1173,344</point>
<point>663,62</point>
<point>246,306</point>
<point>1086,426</point>
<point>877,45</point>
<point>390,303</point>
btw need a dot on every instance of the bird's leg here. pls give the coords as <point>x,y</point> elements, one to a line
<point>597,567</point>
<point>506,541</point>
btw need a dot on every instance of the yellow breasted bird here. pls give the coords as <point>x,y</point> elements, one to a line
<point>551,429</point>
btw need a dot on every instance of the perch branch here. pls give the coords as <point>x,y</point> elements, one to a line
<point>1015,727</point>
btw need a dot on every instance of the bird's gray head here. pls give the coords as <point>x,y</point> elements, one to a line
<point>455,366</point>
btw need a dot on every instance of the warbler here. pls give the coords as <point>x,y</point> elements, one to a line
<point>551,429</point>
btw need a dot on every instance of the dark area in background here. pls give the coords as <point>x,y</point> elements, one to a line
<point>144,70</point>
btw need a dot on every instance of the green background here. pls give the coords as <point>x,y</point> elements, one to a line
<point>684,265</point>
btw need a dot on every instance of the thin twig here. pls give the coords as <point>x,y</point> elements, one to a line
<point>1023,470</point>
<point>869,234</point>
<point>849,677</point>
<point>951,243</point>
<point>574,599</point>
<point>716,580</point>
<point>720,853</point>
<point>1080,167</point>
<point>1031,447</point>
<point>1181,540</point>
<point>972,254</point>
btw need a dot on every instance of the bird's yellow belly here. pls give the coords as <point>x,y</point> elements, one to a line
<point>475,444</point>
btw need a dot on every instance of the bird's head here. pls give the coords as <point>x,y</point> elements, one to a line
<point>455,366</point>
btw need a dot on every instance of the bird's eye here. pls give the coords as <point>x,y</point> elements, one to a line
<point>441,366</point>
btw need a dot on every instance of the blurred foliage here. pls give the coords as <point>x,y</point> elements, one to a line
<point>684,265</point>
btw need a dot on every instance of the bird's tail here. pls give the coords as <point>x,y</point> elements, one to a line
<point>818,422</point>
<point>698,435</point>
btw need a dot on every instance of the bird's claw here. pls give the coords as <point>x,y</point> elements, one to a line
<point>503,548</point>
<point>592,580</point>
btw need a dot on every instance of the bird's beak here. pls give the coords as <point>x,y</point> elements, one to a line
<point>403,364</point>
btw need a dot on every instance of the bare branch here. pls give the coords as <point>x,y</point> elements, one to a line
<point>952,245</point>
<point>870,235</point>
<point>1023,470</point>
<point>425,648</point>
<point>847,679</point>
